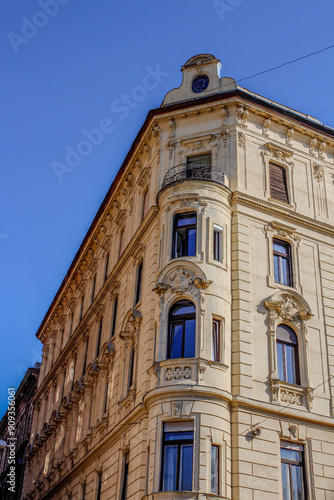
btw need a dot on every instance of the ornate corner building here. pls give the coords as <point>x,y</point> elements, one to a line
<point>189,352</point>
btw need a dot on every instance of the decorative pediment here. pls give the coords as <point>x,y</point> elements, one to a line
<point>181,279</point>
<point>289,306</point>
<point>282,230</point>
<point>278,153</point>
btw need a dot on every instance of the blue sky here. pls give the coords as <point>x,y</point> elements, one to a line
<point>61,79</point>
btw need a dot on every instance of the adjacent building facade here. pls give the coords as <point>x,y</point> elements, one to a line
<point>16,432</point>
<point>189,352</point>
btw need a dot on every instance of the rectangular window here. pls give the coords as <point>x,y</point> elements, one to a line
<point>293,471</point>
<point>121,243</point>
<point>61,340</point>
<point>184,235</point>
<point>81,307</point>
<point>282,262</point>
<point>99,486</point>
<point>98,343</point>
<point>106,268</point>
<point>113,325</point>
<point>139,281</point>
<point>105,403</point>
<point>278,185</point>
<point>85,359</point>
<point>217,242</point>
<point>71,325</point>
<point>125,476</point>
<point>177,456</point>
<point>93,289</point>
<point>216,332</point>
<point>215,469</point>
<point>145,204</point>
<point>198,161</point>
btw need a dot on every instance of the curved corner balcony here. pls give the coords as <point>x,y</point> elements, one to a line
<point>198,172</point>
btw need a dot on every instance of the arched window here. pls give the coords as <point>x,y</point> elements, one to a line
<point>287,354</point>
<point>182,327</point>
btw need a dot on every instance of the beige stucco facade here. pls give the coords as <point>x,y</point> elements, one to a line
<point>90,418</point>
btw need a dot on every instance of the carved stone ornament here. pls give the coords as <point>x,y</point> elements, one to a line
<point>290,396</point>
<point>318,172</point>
<point>156,130</point>
<point>176,409</point>
<point>120,218</point>
<point>132,324</point>
<point>178,372</point>
<point>289,135</point>
<point>171,125</point>
<point>322,148</point>
<point>241,140</point>
<point>281,230</point>
<point>293,428</point>
<point>313,145</point>
<point>224,116</point>
<point>144,177</point>
<point>266,125</point>
<point>278,153</point>
<point>288,308</point>
<point>241,116</point>
<point>180,281</point>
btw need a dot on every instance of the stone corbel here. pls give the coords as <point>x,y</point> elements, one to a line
<point>202,283</point>
<point>138,253</point>
<point>120,218</point>
<point>144,177</point>
<point>161,288</point>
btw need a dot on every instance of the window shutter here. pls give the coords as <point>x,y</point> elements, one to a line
<point>278,187</point>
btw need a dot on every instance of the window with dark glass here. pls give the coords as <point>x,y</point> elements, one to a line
<point>184,235</point>
<point>282,262</point>
<point>106,268</point>
<point>287,354</point>
<point>198,161</point>
<point>83,494</point>
<point>81,307</point>
<point>145,204</point>
<point>139,281</point>
<point>98,343</point>
<point>93,289</point>
<point>217,243</point>
<point>215,469</point>
<point>131,368</point>
<point>216,324</point>
<point>278,185</point>
<point>71,325</point>
<point>106,391</point>
<point>182,330</point>
<point>113,325</point>
<point>121,243</point>
<point>177,457</point>
<point>125,477</point>
<point>85,359</point>
<point>293,471</point>
<point>99,486</point>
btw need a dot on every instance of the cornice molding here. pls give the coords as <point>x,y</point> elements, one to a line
<point>294,217</point>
